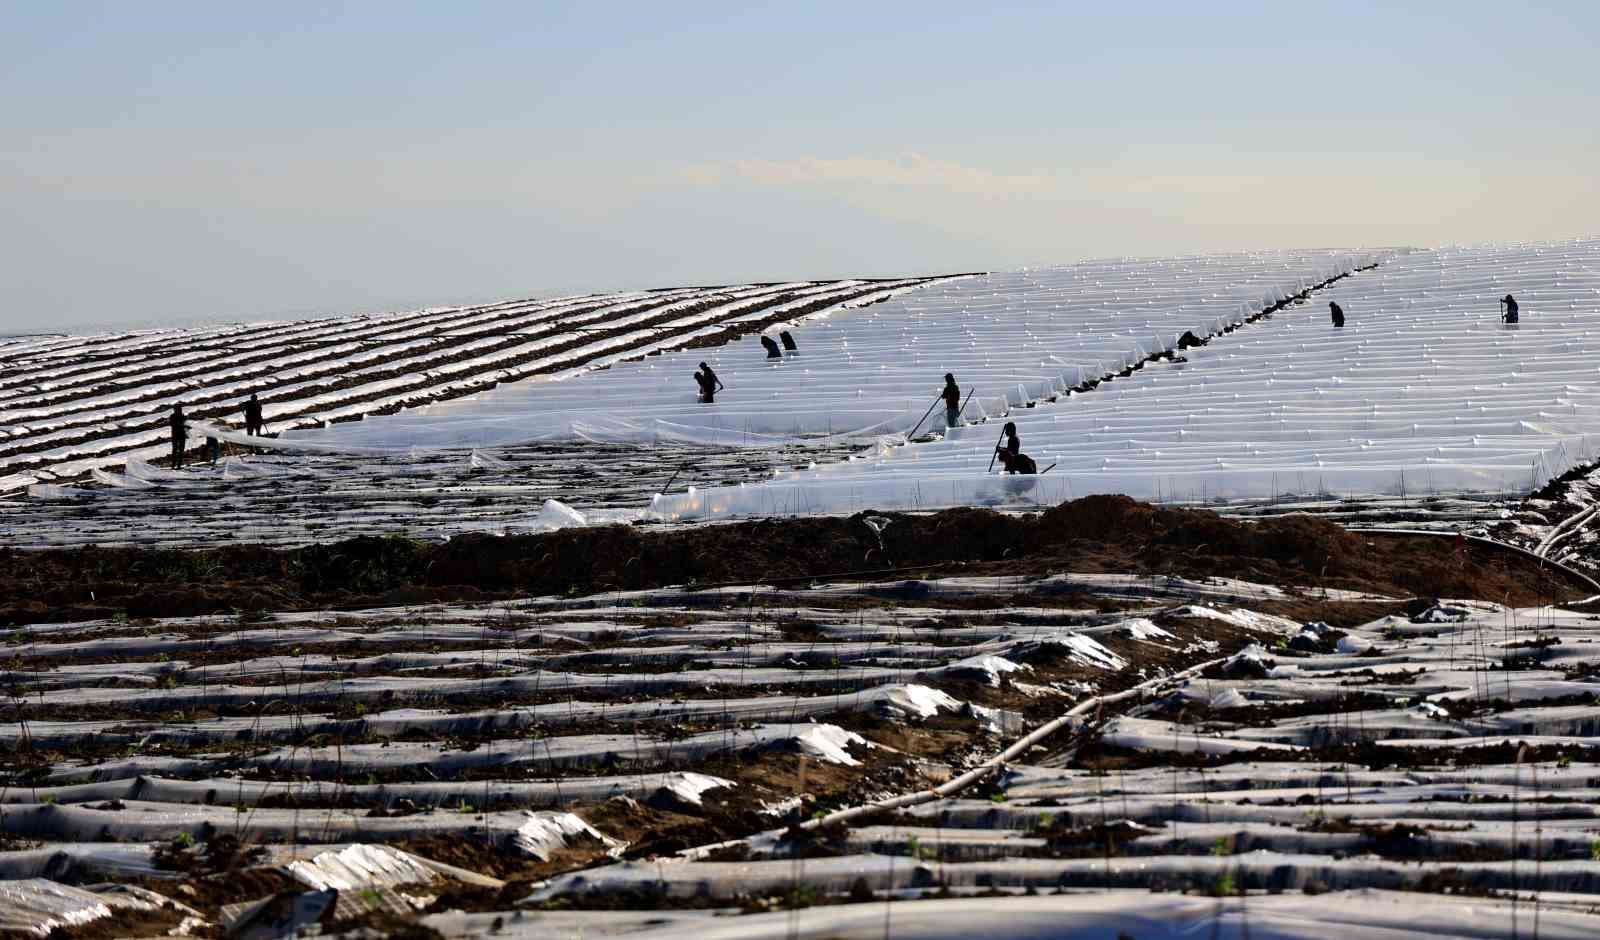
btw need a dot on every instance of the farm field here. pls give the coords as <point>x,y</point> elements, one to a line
<point>561,471</point>
<point>70,405</point>
<point>1421,413</point>
<point>298,499</point>
<point>1010,338</point>
<point>814,755</point>
<point>1422,394</point>
<point>1295,638</point>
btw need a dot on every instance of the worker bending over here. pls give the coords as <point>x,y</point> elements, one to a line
<point>1009,450</point>
<point>709,384</point>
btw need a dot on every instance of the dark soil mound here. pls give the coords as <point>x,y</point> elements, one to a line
<point>1305,542</point>
<point>1094,534</point>
<point>1098,519</point>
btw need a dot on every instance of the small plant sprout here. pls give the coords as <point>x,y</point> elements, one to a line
<point>1226,885</point>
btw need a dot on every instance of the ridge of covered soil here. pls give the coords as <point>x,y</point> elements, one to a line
<point>1111,534</point>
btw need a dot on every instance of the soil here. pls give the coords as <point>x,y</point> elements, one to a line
<point>126,923</point>
<point>1095,534</point>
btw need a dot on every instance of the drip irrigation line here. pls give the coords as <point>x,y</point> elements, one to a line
<point>1564,529</point>
<point>975,775</point>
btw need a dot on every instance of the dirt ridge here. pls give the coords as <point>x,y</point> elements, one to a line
<point>1109,534</point>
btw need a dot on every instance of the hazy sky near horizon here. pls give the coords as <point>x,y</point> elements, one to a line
<point>166,161</point>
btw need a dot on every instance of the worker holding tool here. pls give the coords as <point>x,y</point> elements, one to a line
<point>252,416</point>
<point>1009,444</point>
<point>1009,452</point>
<point>952,400</point>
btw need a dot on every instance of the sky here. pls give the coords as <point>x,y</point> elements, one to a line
<point>167,162</point>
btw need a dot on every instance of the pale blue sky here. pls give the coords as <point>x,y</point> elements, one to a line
<point>164,161</point>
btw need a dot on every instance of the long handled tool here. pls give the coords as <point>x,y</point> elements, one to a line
<point>924,417</point>
<point>673,478</point>
<point>1048,469</point>
<point>935,404</point>
<point>996,452</point>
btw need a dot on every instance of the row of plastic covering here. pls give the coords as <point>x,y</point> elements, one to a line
<point>1422,392</point>
<point>1008,338</point>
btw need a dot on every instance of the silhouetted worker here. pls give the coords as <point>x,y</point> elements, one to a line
<point>1338,314</point>
<point>789,344</point>
<point>709,384</point>
<point>252,416</point>
<point>772,348</point>
<point>712,376</point>
<point>1010,445</point>
<point>952,400</point>
<point>213,449</point>
<point>1018,463</point>
<point>1510,303</point>
<point>180,435</point>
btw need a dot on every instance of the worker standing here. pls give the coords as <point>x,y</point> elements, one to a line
<point>771,347</point>
<point>1510,303</point>
<point>252,416</point>
<point>1337,313</point>
<point>180,435</point>
<point>789,345</point>
<point>952,400</point>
